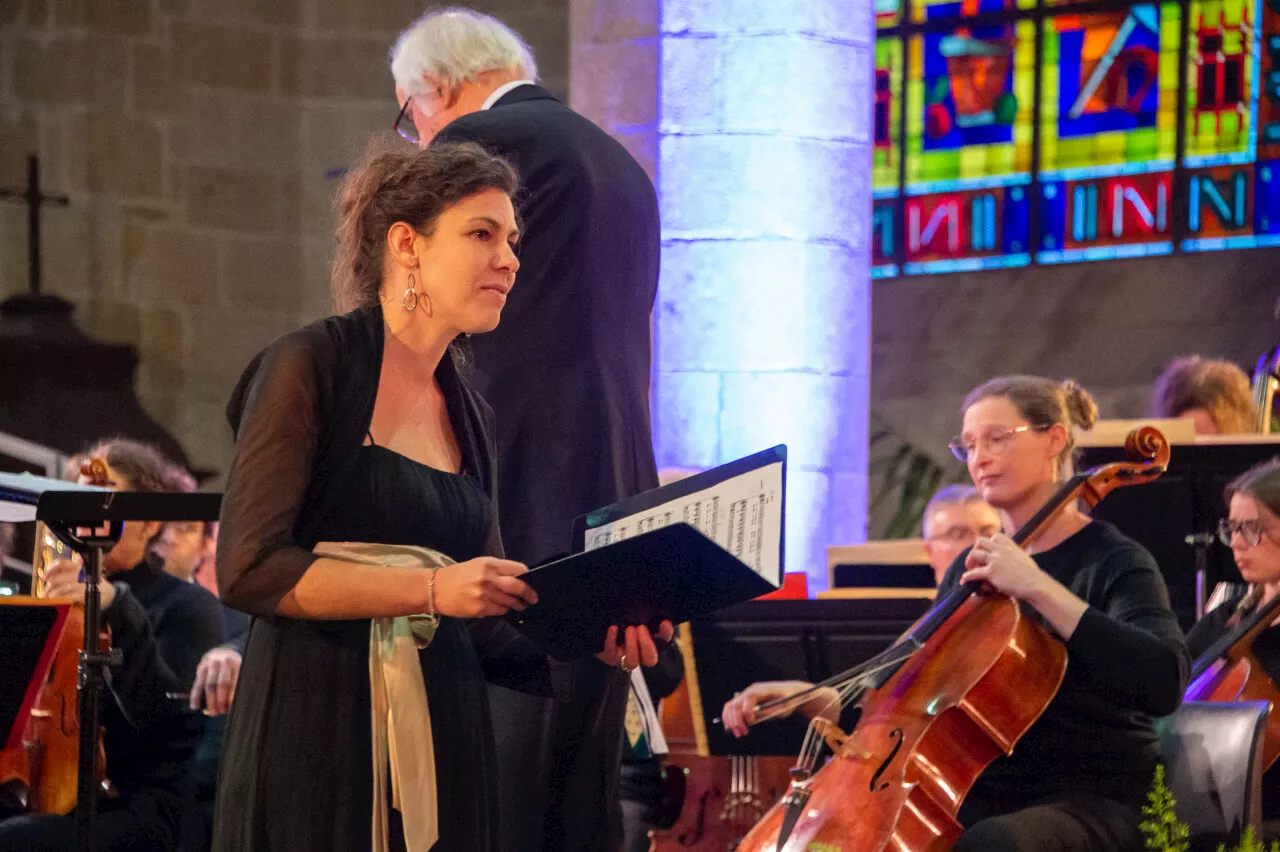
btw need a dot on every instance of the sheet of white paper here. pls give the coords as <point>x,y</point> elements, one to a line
<point>19,493</point>
<point>743,515</point>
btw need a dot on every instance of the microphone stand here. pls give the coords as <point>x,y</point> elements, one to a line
<point>91,543</point>
<point>1201,542</point>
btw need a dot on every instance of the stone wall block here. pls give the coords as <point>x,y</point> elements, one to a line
<point>616,84</point>
<point>801,410</point>
<point>18,138</point>
<point>688,434</point>
<point>806,524</point>
<point>126,158</point>
<point>347,66</point>
<point>175,266</point>
<point>689,102</point>
<point>254,202</point>
<point>598,21</point>
<point>763,74</point>
<point>726,305</point>
<point>832,19</point>
<point>262,272</point>
<point>744,186</point>
<point>223,56</point>
<point>153,80</point>
<point>72,69</point>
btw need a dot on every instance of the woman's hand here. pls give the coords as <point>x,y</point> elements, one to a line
<point>1004,566</point>
<point>62,580</point>
<point>482,587</point>
<point>637,647</point>
<point>739,712</point>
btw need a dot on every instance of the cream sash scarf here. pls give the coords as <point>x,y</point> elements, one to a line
<point>399,714</point>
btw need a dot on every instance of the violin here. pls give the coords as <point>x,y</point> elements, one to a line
<point>39,773</point>
<point>1230,671</point>
<point>936,708</point>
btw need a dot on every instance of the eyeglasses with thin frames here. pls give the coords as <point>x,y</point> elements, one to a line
<point>404,122</point>
<point>1250,531</point>
<point>966,535</point>
<point>995,442</point>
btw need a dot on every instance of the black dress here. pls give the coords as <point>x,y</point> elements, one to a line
<point>296,771</point>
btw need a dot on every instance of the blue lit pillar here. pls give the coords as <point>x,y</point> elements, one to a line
<point>763,325</point>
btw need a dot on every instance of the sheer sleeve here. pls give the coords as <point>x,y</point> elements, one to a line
<point>258,560</point>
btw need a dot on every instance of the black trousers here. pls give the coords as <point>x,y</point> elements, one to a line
<point>1072,822</point>
<point>641,793</point>
<point>134,823</point>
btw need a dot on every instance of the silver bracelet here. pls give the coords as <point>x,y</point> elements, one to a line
<point>431,594</point>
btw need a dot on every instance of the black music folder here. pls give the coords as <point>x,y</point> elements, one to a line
<point>674,572</point>
<point>676,552</point>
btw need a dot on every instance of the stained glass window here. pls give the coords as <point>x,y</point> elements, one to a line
<point>1124,141</point>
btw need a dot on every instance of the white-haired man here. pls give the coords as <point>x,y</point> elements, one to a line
<point>567,374</point>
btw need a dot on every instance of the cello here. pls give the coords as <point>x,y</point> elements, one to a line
<point>936,708</point>
<point>39,766</point>
<point>1230,671</point>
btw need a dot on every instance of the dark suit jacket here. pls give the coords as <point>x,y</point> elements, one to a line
<point>567,375</point>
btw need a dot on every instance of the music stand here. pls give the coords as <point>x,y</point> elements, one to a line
<point>89,520</point>
<point>785,640</point>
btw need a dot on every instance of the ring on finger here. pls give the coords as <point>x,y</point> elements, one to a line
<point>622,663</point>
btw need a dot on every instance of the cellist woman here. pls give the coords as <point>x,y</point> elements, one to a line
<point>1252,531</point>
<point>1077,779</point>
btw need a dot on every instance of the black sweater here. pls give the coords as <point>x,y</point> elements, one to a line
<point>1127,662</point>
<point>162,627</point>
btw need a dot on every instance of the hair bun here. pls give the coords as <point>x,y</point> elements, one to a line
<point>1081,408</point>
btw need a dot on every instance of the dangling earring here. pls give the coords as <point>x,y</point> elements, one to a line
<point>409,300</point>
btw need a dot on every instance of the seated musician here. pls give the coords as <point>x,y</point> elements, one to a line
<point>162,626</point>
<point>1078,778</point>
<point>1214,394</point>
<point>1252,531</point>
<point>954,519</point>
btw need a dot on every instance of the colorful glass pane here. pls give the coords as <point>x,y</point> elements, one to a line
<point>1222,82</point>
<point>1109,102</point>
<point>886,117</point>
<point>969,107</point>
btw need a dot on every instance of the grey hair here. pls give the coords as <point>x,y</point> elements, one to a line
<point>455,45</point>
<point>950,495</point>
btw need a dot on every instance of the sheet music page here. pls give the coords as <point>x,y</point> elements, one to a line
<point>20,492</point>
<point>743,515</point>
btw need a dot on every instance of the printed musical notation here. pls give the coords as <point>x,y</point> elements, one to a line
<point>742,514</point>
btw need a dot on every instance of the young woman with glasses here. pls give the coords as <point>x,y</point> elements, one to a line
<point>1078,778</point>
<point>1252,531</point>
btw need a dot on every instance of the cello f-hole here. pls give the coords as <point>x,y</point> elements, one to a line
<point>875,785</point>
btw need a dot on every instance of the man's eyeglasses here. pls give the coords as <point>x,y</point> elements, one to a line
<point>994,443</point>
<point>404,122</point>
<point>1250,531</point>
<point>964,535</point>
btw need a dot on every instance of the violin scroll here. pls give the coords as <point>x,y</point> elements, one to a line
<point>95,470</point>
